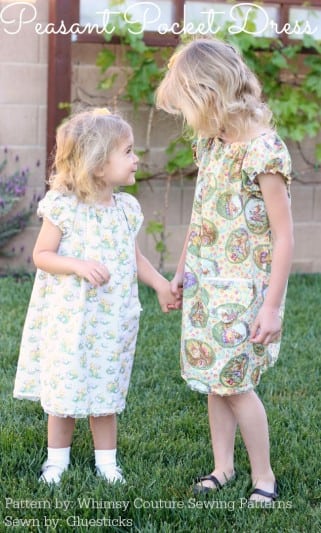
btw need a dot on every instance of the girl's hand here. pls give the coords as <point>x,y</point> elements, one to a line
<point>177,290</point>
<point>165,296</point>
<point>267,326</point>
<point>93,271</point>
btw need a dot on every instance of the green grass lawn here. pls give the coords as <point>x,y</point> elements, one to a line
<point>164,437</point>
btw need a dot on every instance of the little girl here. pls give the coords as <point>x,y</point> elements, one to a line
<point>80,332</point>
<point>237,254</point>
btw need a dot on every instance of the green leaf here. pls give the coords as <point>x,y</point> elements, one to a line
<point>180,149</point>
<point>65,105</point>
<point>154,226</point>
<point>142,174</point>
<point>313,62</point>
<point>109,32</point>
<point>182,159</point>
<point>105,59</point>
<point>132,189</point>
<point>135,41</point>
<point>114,3</point>
<point>312,83</point>
<point>107,83</point>
<point>160,247</point>
<point>310,42</point>
<point>279,60</point>
<point>291,51</point>
<point>134,58</point>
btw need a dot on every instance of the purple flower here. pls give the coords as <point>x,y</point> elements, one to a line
<point>13,187</point>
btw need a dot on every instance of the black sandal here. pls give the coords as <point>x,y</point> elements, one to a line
<point>201,489</point>
<point>272,495</point>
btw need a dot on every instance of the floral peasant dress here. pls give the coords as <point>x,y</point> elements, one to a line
<point>228,264</point>
<point>78,341</point>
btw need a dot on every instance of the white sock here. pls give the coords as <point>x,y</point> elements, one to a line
<point>59,457</point>
<point>105,457</point>
<point>106,466</point>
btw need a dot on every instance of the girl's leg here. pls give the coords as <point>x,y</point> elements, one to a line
<point>104,431</point>
<point>251,418</point>
<point>223,427</point>
<point>60,432</point>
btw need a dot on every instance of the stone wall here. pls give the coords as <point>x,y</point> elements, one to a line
<point>23,93</point>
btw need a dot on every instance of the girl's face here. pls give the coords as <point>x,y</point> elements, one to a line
<point>121,166</point>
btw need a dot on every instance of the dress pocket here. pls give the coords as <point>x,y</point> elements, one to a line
<point>229,298</point>
<point>230,304</point>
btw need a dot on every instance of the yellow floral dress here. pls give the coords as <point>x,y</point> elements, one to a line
<point>78,341</point>
<point>228,263</point>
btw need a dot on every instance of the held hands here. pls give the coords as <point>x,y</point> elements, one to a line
<point>267,326</point>
<point>166,298</point>
<point>93,271</point>
<point>177,290</point>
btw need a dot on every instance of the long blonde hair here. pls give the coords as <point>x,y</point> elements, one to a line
<point>210,85</point>
<point>83,144</point>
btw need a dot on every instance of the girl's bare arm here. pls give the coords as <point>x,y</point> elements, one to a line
<point>149,275</point>
<point>46,258</point>
<point>267,325</point>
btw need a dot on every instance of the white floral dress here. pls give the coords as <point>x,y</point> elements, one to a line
<point>78,341</point>
<point>228,261</point>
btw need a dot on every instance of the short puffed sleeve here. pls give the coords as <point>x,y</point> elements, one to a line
<point>267,154</point>
<point>132,211</point>
<point>198,148</point>
<point>59,209</point>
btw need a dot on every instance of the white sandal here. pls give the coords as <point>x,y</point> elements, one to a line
<point>110,473</point>
<point>51,473</point>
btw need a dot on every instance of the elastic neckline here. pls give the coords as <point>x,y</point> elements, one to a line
<point>104,206</point>
<point>226,143</point>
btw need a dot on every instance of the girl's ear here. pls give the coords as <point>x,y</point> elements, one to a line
<point>99,172</point>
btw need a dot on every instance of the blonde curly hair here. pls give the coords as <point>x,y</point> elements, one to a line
<point>210,85</point>
<point>83,144</point>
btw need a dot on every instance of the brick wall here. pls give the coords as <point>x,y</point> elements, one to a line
<point>306,203</point>
<point>23,69</point>
<point>23,104</point>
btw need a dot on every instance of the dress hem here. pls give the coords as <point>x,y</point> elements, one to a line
<point>69,415</point>
<point>263,369</point>
<point>215,393</point>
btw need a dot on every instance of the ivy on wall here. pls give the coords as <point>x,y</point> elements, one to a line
<point>289,74</point>
<point>290,77</point>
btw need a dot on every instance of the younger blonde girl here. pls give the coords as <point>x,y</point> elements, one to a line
<point>80,332</point>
